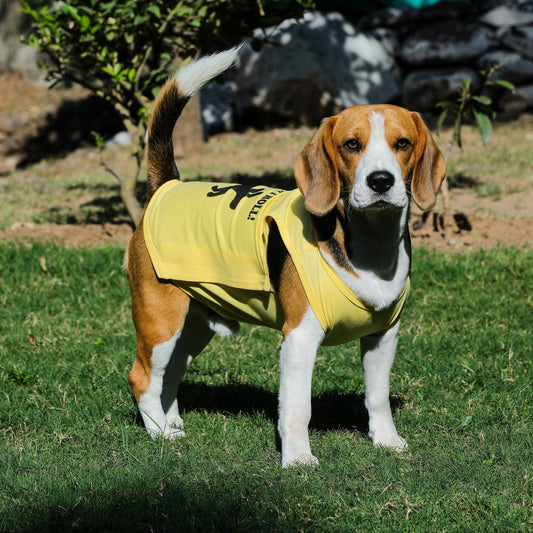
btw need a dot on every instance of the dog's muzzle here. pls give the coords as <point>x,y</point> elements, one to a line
<point>380,181</point>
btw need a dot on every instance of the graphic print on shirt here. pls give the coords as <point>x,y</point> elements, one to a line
<point>241,192</point>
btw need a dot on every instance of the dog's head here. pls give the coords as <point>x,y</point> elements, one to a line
<point>370,157</point>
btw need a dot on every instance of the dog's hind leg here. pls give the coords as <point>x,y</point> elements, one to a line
<point>171,330</point>
<point>156,387</point>
<point>160,375</point>
<point>194,337</point>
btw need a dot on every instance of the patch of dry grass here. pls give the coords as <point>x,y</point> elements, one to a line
<point>78,189</point>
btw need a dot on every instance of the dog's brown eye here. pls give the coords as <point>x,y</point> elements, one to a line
<point>352,145</point>
<point>402,144</point>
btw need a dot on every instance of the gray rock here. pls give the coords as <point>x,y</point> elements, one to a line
<point>503,16</point>
<point>405,18</point>
<point>13,54</point>
<point>315,67</point>
<point>122,138</point>
<point>518,101</point>
<point>424,88</point>
<point>526,32</point>
<point>388,17</point>
<point>446,43</point>
<point>520,42</point>
<point>218,104</point>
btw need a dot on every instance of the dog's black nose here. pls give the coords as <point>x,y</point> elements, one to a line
<point>380,181</point>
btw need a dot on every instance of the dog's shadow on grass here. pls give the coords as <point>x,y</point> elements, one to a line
<point>331,410</point>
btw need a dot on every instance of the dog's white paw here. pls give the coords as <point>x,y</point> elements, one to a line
<point>175,420</point>
<point>391,440</point>
<point>173,433</point>
<point>302,459</point>
<point>167,432</point>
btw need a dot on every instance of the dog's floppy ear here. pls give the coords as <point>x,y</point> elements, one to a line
<point>316,172</point>
<point>429,168</point>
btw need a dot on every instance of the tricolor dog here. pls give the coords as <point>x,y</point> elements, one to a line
<point>326,263</point>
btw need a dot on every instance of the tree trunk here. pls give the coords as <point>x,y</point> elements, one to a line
<point>188,133</point>
<point>447,218</point>
<point>187,137</point>
<point>129,197</point>
<point>128,185</point>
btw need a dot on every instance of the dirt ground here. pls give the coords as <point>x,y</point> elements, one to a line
<point>26,111</point>
<point>485,233</point>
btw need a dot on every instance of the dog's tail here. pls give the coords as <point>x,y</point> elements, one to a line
<point>168,106</point>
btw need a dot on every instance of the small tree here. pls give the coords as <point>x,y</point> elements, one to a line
<point>123,50</point>
<point>471,105</point>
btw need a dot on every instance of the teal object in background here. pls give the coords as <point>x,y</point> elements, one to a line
<point>369,5</point>
<point>417,4</point>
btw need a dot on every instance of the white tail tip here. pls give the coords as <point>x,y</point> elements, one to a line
<point>193,76</point>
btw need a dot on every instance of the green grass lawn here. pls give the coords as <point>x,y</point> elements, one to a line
<point>73,456</point>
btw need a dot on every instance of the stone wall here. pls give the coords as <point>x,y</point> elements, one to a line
<point>14,55</point>
<point>301,71</point>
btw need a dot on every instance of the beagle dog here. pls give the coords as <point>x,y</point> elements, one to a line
<point>355,178</point>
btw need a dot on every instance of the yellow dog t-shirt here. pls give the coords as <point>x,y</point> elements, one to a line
<point>211,240</point>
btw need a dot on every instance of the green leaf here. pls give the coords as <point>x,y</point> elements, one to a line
<point>28,10</point>
<point>140,19</point>
<point>69,10</point>
<point>484,100</point>
<point>99,139</point>
<point>184,11</point>
<point>457,131</point>
<point>33,41</point>
<point>440,121</point>
<point>85,22</point>
<point>503,83</point>
<point>143,114</point>
<point>484,124</point>
<point>450,107</point>
<point>154,10</point>
<point>101,342</point>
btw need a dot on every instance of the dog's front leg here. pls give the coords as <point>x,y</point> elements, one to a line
<point>297,358</point>
<point>378,353</point>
